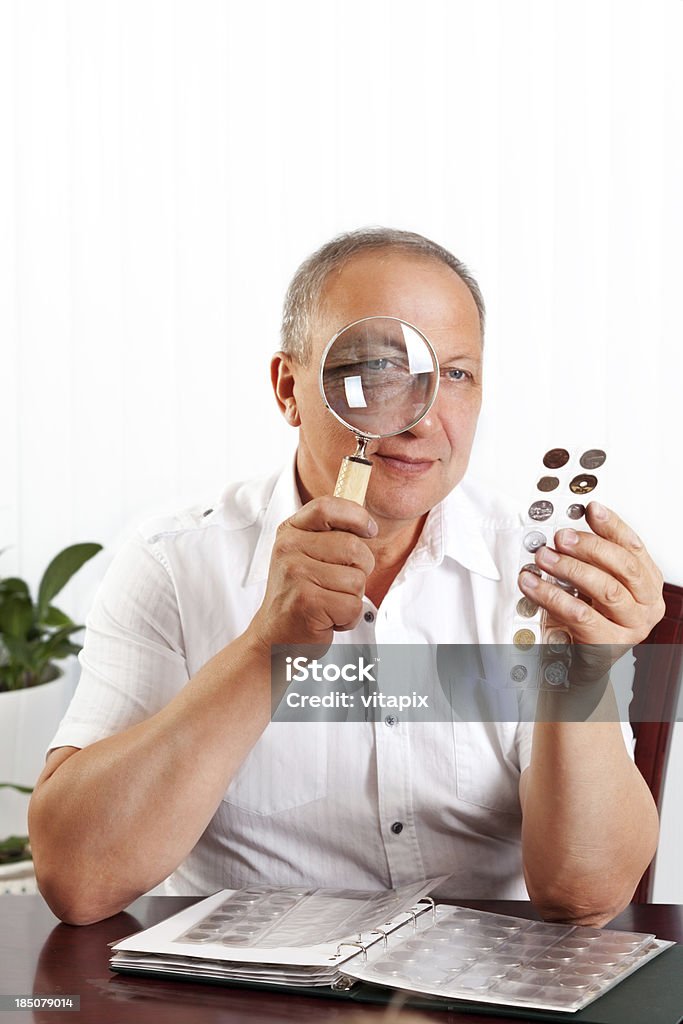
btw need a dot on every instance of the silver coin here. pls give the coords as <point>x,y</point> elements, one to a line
<point>592,459</point>
<point>555,673</point>
<point>526,608</point>
<point>576,511</point>
<point>541,510</point>
<point>584,483</point>
<point>518,673</point>
<point>531,567</point>
<point>558,641</point>
<point>535,540</point>
<point>556,458</point>
<point>548,483</point>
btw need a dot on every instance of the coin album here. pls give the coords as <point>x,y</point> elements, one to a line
<point>566,481</point>
<point>317,939</point>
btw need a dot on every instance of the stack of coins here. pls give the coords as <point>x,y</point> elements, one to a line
<point>565,484</point>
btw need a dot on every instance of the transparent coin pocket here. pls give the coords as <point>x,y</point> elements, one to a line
<point>485,957</point>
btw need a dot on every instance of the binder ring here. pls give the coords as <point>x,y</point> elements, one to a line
<point>358,945</point>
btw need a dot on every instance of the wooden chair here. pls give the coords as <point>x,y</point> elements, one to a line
<point>656,688</point>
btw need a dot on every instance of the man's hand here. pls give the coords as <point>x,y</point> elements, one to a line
<point>610,566</point>
<point>318,573</point>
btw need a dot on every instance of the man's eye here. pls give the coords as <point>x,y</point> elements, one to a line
<point>377,364</point>
<point>455,374</point>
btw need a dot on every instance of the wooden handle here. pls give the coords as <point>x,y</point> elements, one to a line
<point>353,479</point>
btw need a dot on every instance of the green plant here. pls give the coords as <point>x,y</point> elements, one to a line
<point>34,635</point>
<point>15,848</point>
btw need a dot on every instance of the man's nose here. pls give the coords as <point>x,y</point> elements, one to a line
<point>427,425</point>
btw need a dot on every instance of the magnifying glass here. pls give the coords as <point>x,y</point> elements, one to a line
<point>379,377</point>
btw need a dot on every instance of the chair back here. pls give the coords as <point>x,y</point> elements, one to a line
<point>656,688</point>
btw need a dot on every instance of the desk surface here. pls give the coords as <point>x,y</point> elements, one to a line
<point>39,955</point>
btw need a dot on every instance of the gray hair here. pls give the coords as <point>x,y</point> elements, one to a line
<point>302,300</point>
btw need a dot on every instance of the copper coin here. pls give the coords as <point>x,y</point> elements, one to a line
<point>524,639</point>
<point>535,540</point>
<point>531,567</point>
<point>556,458</point>
<point>583,483</point>
<point>548,483</point>
<point>541,510</point>
<point>576,511</point>
<point>592,459</point>
<point>518,673</point>
<point>526,608</point>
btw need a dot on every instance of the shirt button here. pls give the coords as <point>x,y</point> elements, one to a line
<point>397,828</point>
<point>369,616</point>
<point>391,720</point>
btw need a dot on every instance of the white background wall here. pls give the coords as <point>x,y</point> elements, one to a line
<point>164,167</point>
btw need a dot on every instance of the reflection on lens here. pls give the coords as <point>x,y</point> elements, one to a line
<point>379,376</point>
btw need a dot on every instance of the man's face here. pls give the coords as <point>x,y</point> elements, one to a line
<point>412,471</point>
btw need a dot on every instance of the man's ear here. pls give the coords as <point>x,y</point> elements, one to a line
<point>282,379</point>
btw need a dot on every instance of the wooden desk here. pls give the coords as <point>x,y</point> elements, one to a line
<point>39,955</point>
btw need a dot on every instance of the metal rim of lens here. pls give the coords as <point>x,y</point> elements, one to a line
<point>430,349</point>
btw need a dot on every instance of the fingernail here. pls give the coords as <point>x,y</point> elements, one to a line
<point>548,556</point>
<point>373,528</point>
<point>568,537</point>
<point>528,580</point>
<point>598,510</point>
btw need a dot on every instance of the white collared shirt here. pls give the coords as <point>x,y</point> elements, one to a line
<point>358,804</point>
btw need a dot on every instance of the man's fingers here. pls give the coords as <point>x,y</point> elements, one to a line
<point>328,513</point>
<point>585,624</point>
<point>608,594</point>
<point>635,571</point>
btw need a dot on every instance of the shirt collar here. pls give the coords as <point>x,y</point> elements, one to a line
<point>455,528</point>
<point>284,501</point>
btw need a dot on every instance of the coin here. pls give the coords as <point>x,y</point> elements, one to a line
<point>548,483</point>
<point>556,458</point>
<point>592,459</point>
<point>526,608</point>
<point>541,510</point>
<point>531,567</point>
<point>555,673</point>
<point>518,673</point>
<point>558,641</point>
<point>583,483</point>
<point>535,540</point>
<point>576,511</point>
<point>524,639</point>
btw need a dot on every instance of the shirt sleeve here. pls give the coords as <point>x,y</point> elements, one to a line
<point>621,677</point>
<point>133,661</point>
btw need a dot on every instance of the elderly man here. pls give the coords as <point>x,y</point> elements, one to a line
<point>167,763</point>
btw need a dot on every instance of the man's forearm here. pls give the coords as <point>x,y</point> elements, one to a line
<point>589,821</point>
<point>117,817</point>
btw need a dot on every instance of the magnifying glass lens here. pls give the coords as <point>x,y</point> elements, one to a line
<point>379,376</point>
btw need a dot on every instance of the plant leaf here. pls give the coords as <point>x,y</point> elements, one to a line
<point>13,785</point>
<point>54,617</point>
<point>16,615</point>
<point>14,585</point>
<point>60,570</point>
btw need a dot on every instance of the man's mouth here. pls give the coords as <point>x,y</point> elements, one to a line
<point>405,463</point>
